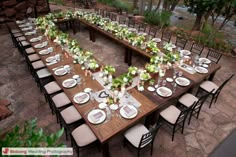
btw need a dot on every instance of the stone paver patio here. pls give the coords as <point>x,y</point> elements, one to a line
<point>198,140</point>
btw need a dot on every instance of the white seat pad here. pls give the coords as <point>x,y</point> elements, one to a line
<point>188,99</point>
<point>209,86</point>
<point>70,115</point>
<point>170,114</point>
<point>52,87</point>
<point>61,100</point>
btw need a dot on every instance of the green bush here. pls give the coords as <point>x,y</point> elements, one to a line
<point>160,18</point>
<point>31,136</point>
<point>58,2</point>
<point>117,4</point>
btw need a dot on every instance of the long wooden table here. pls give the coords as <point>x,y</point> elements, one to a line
<point>150,102</point>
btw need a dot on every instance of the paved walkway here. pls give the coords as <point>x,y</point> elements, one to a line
<point>199,138</point>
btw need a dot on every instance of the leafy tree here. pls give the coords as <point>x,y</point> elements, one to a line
<point>229,11</point>
<point>201,8</point>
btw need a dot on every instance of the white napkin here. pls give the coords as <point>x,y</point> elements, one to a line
<point>51,63</point>
<point>128,111</point>
<point>95,117</point>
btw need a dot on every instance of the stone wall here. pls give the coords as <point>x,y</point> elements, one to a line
<point>16,9</point>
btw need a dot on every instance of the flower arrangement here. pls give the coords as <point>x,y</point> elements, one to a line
<point>92,64</point>
<point>168,46</point>
<point>151,68</point>
<point>144,75</point>
<point>137,40</point>
<point>132,70</point>
<point>152,47</point>
<point>109,70</point>
<point>156,59</point>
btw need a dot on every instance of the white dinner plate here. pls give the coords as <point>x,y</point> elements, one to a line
<point>142,33</point>
<point>185,52</point>
<point>150,88</point>
<point>182,81</point>
<point>204,60</point>
<point>96,116</point>
<point>60,72</point>
<point>156,40</point>
<point>38,46</point>
<point>44,52</point>
<point>50,59</point>
<point>81,98</point>
<point>201,70</point>
<point>164,91</point>
<point>20,22</point>
<point>128,111</point>
<point>69,83</point>
<point>30,33</point>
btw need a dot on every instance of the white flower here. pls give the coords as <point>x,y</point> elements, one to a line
<point>133,72</point>
<point>140,88</point>
<point>125,79</point>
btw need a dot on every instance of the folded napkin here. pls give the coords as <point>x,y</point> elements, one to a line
<point>95,117</point>
<point>52,62</point>
<point>128,111</point>
<point>164,92</point>
<point>69,83</point>
<point>60,72</point>
<point>81,98</point>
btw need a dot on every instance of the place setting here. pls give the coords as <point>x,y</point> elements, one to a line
<point>53,59</point>
<point>63,70</point>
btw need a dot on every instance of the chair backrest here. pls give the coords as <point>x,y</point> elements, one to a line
<point>107,14</point>
<point>102,12</point>
<point>214,55</point>
<point>201,101</point>
<point>223,84</point>
<point>197,48</point>
<point>166,36</point>
<point>181,42</point>
<point>122,20</point>
<point>149,137</point>
<point>96,10</point>
<point>113,17</point>
<point>152,32</point>
<point>131,23</point>
<point>142,27</point>
<point>183,114</point>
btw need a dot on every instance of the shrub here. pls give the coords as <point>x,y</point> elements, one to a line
<point>160,18</point>
<point>58,2</point>
<point>31,136</point>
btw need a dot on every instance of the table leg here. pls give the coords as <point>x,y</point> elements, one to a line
<point>211,77</point>
<point>93,36</point>
<point>130,58</point>
<point>105,150</point>
<point>126,55</point>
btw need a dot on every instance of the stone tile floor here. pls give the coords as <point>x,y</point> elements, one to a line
<point>199,138</point>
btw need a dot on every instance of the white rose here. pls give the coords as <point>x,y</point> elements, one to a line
<point>125,79</point>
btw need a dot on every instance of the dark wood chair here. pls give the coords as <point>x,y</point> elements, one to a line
<point>197,48</point>
<point>140,137</point>
<point>108,14</point>
<point>113,17</point>
<point>181,42</point>
<point>214,55</point>
<point>175,118</point>
<point>166,36</point>
<point>102,12</point>
<point>122,20</point>
<point>142,27</point>
<point>96,10</point>
<point>131,23</point>
<point>152,32</point>
<point>208,86</point>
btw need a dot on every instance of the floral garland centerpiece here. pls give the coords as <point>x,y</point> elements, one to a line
<point>151,47</point>
<point>106,73</point>
<point>143,76</point>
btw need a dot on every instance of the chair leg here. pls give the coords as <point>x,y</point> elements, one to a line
<point>190,117</point>
<point>173,133</point>
<point>211,101</point>
<point>183,127</point>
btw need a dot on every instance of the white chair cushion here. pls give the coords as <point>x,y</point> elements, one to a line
<point>61,100</point>
<point>29,50</point>
<point>21,38</point>
<point>170,114</point>
<point>17,35</point>
<point>42,73</point>
<point>188,99</point>
<point>134,134</point>
<point>33,57</point>
<point>15,31</point>
<point>38,64</point>
<point>209,86</point>
<point>70,115</point>
<point>52,87</point>
<point>25,43</point>
<point>83,135</point>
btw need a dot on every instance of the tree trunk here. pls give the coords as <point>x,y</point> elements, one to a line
<point>172,8</point>
<point>158,5</point>
<point>198,23</point>
<point>224,22</point>
<point>166,5</point>
<point>150,5</point>
<point>141,7</point>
